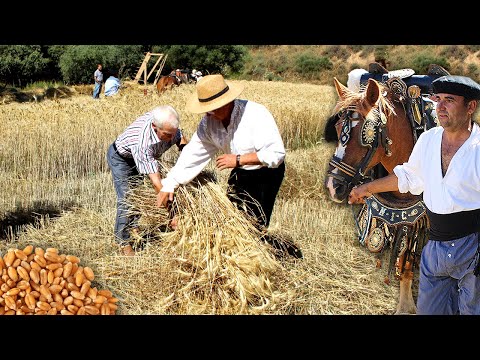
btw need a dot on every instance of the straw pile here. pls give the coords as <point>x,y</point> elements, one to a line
<point>213,263</point>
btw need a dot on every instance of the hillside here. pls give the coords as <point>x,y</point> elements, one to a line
<point>318,64</point>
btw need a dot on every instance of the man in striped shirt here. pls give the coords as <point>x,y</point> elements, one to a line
<point>135,152</point>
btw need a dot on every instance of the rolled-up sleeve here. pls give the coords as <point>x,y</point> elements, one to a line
<point>409,174</point>
<point>407,179</point>
<point>192,160</point>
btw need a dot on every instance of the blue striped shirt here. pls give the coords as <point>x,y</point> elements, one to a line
<point>140,142</point>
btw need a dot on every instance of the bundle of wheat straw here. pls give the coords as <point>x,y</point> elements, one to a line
<point>213,263</point>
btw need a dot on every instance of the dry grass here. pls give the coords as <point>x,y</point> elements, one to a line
<point>52,163</point>
<point>213,263</point>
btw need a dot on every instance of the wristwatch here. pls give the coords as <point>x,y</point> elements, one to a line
<point>238,160</point>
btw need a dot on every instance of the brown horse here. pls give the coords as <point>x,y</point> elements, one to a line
<point>374,127</point>
<point>167,83</point>
<point>175,78</point>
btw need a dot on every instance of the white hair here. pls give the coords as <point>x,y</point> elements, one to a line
<point>165,115</point>
<point>354,76</point>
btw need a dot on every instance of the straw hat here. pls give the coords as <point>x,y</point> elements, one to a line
<point>212,93</point>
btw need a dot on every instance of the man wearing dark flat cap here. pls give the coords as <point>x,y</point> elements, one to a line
<point>247,135</point>
<point>445,166</point>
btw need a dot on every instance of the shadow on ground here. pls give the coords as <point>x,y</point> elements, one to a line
<point>12,222</point>
<point>8,95</point>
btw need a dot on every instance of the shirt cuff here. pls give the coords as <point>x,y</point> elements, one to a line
<point>269,159</point>
<point>169,185</point>
<point>402,181</point>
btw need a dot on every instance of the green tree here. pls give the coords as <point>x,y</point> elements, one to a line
<point>54,52</point>
<point>310,65</point>
<point>381,55</point>
<point>421,63</point>
<point>21,64</point>
<point>224,59</point>
<point>78,62</point>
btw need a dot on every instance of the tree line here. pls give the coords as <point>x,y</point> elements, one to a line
<point>21,65</point>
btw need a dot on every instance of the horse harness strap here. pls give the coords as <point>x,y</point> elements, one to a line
<point>395,216</point>
<point>374,132</point>
<point>404,230</point>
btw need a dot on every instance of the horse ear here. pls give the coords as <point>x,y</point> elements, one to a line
<point>372,92</point>
<point>342,90</point>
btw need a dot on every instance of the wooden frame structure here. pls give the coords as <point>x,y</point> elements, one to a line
<point>143,68</point>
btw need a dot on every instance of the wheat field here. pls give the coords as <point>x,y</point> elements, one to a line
<point>57,192</point>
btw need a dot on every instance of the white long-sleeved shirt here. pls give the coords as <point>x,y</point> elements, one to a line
<point>459,189</point>
<point>254,131</point>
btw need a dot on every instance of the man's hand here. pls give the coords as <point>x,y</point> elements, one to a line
<point>163,197</point>
<point>358,194</point>
<point>226,161</point>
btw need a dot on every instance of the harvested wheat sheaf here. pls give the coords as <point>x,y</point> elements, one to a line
<point>214,262</point>
<point>43,282</point>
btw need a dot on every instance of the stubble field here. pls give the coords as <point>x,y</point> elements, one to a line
<point>57,192</point>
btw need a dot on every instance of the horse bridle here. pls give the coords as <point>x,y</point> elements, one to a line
<point>373,134</point>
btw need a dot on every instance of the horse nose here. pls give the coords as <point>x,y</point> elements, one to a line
<point>340,189</point>
<point>337,189</point>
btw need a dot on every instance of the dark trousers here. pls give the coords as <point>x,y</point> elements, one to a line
<point>256,190</point>
<point>125,175</point>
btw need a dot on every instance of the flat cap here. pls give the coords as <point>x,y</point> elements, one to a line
<point>457,85</point>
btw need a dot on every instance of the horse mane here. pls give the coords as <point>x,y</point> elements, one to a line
<point>353,98</point>
<point>351,101</point>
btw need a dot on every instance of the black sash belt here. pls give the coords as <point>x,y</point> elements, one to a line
<point>254,175</point>
<point>445,227</point>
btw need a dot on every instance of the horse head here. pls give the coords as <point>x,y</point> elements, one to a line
<point>366,126</point>
<point>377,125</point>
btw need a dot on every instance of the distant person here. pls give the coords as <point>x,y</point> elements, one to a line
<point>196,75</point>
<point>112,85</point>
<point>135,152</point>
<point>193,75</point>
<point>98,77</point>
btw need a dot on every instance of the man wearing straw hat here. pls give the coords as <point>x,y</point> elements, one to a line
<point>135,152</point>
<point>252,147</point>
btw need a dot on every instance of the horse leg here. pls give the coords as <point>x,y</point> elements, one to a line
<point>406,304</point>
<point>159,87</point>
